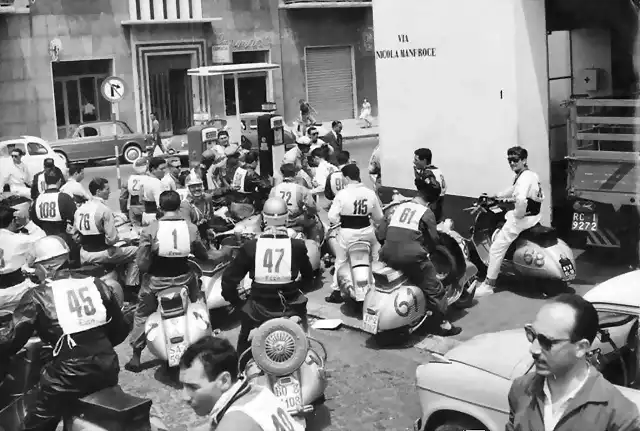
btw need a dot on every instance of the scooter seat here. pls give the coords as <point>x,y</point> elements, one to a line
<point>539,234</point>
<point>114,404</point>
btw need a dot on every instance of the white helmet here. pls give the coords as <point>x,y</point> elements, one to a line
<point>275,212</point>
<point>140,165</point>
<point>193,179</point>
<point>304,140</point>
<point>49,247</point>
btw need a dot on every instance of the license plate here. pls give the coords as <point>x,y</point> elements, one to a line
<point>568,269</point>
<point>287,389</point>
<point>370,323</point>
<point>175,353</point>
<point>361,292</point>
<point>585,222</point>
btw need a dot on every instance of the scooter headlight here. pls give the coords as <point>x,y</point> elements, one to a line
<point>539,260</point>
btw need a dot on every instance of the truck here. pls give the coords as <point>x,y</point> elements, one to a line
<point>471,78</point>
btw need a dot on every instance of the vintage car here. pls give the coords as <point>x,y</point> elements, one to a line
<point>35,151</point>
<point>97,141</point>
<point>467,388</point>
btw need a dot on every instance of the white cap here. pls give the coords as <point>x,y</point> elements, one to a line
<point>304,140</point>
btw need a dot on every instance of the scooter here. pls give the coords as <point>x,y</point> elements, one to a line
<point>537,252</point>
<point>110,409</point>
<point>177,323</point>
<point>284,361</point>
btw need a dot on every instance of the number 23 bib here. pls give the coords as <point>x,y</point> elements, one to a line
<point>78,305</point>
<point>273,261</point>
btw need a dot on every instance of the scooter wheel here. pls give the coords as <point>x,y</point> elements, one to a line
<point>279,347</point>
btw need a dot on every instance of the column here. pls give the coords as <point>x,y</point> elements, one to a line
<point>133,13</point>
<point>184,9</point>
<point>197,9</point>
<point>145,10</point>
<point>172,9</point>
<point>158,9</point>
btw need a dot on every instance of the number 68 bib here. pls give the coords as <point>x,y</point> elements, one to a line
<point>78,304</point>
<point>407,216</point>
<point>273,261</point>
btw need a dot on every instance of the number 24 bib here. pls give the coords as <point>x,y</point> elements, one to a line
<point>407,216</point>
<point>78,305</point>
<point>273,261</point>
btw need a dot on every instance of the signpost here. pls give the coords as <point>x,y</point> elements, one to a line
<point>113,90</point>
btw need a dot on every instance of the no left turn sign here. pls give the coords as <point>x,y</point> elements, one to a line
<point>113,89</point>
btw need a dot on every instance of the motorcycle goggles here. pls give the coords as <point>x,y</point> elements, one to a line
<point>546,343</point>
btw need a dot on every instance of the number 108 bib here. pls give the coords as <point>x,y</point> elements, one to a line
<point>273,261</point>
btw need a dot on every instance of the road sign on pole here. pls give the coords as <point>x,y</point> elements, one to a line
<point>113,89</point>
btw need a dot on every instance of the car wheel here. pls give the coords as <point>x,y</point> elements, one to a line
<point>63,155</point>
<point>279,347</point>
<point>131,153</point>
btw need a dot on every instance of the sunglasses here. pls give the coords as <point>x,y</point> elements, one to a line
<point>513,159</point>
<point>314,134</point>
<point>545,342</point>
<point>15,156</point>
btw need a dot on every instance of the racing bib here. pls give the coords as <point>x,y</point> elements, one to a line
<point>273,261</point>
<point>134,184</point>
<point>408,216</point>
<point>288,193</point>
<point>46,207</point>
<point>238,180</point>
<point>268,412</point>
<point>85,219</point>
<point>440,178</point>
<point>337,182</point>
<point>78,304</point>
<point>173,238</point>
<point>359,203</point>
<point>42,186</point>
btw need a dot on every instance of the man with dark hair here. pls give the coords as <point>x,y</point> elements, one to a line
<point>299,200</point>
<point>316,142</point>
<point>528,195</point>
<point>15,175</point>
<point>424,170</point>
<point>248,190</point>
<point>170,179</point>
<point>334,138</point>
<point>54,211</point>
<point>163,256</point>
<point>209,376</point>
<point>38,186</point>
<point>95,224</point>
<point>410,234</point>
<point>355,207</point>
<point>566,393</point>
<point>151,188</point>
<point>73,186</point>
<point>336,181</point>
<point>155,132</point>
<point>322,170</point>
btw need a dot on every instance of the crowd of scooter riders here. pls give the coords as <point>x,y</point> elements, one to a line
<point>57,245</point>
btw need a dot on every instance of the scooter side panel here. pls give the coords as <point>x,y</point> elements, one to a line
<point>154,331</point>
<point>197,324</point>
<point>313,251</point>
<point>402,307</point>
<point>530,259</point>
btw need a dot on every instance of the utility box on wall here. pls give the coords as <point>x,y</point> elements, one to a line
<point>587,80</point>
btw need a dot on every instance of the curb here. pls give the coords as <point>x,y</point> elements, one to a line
<point>354,137</point>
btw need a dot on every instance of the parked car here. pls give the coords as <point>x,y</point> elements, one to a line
<point>35,151</point>
<point>468,387</point>
<point>97,140</point>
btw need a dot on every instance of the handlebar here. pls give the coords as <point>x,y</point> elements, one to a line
<point>485,201</point>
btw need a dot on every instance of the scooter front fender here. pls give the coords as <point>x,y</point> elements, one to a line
<point>531,259</point>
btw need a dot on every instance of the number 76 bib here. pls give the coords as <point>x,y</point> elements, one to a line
<point>273,261</point>
<point>78,304</point>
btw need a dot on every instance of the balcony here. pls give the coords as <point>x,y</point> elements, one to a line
<point>151,12</point>
<point>15,7</point>
<point>323,4</point>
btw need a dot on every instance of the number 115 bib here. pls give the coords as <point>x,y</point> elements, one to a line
<point>273,261</point>
<point>407,216</point>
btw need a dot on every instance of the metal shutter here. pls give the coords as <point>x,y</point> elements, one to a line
<point>330,82</point>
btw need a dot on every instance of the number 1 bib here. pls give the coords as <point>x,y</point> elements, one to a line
<point>78,305</point>
<point>173,238</point>
<point>273,261</point>
<point>408,216</point>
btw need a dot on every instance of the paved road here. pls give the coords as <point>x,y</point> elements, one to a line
<point>378,384</point>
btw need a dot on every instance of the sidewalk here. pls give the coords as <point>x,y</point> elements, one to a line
<point>351,129</point>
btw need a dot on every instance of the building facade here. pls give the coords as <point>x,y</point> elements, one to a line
<point>56,56</point>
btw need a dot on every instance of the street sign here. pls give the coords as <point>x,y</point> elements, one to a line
<point>113,89</point>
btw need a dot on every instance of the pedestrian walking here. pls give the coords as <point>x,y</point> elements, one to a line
<point>365,113</point>
<point>158,148</point>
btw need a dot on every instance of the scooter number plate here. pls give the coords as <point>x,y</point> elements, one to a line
<point>370,323</point>
<point>287,389</point>
<point>175,353</point>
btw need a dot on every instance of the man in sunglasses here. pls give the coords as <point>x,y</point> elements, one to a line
<point>566,393</point>
<point>15,175</point>
<point>528,196</point>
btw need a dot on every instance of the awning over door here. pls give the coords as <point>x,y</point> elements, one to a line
<point>329,76</point>
<point>231,69</point>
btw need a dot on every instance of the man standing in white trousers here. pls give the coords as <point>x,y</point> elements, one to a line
<point>354,207</point>
<point>528,196</point>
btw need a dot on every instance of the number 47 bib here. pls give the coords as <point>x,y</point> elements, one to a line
<point>78,305</point>
<point>273,261</point>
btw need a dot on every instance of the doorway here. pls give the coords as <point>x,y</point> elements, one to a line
<point>252,87</point>
<point>170,92</point>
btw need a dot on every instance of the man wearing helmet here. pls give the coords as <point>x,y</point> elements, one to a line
<point>81,317</point>
<point>163,256</point>
<point>274,262</point>
<point>410,234</point>
<point>95,224</point>
<point>151,189</point>
<point>299,200</point>
<point>197,207</point>
<point>354,207</point>
<point>130,200</point>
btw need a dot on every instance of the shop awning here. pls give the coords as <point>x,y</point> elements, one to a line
<point>232,69</point>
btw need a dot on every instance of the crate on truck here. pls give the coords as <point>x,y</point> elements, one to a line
<point>603,172</point>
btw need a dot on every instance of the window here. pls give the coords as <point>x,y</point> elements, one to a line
<point>108,129</point>
<point>13,145</point>
<point>36,149</point>
<point>87,132</point>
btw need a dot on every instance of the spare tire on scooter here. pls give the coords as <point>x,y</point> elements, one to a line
<point>448,259</point>
<point>279,347</point>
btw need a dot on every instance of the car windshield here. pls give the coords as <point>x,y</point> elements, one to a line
<point>124,128</point>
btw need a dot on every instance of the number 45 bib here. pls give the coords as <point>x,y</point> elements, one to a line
<point>407,216</point>
<point>273,261</point>
<point>78,305</point>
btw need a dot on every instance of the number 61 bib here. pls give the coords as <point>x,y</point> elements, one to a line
<point>407,216</point>
<point>78,304</point>
<point>273,261</point>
